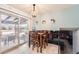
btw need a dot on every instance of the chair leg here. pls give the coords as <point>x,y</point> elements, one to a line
<point>37,46</point>
<point>40,44</point>
<point>32,45</point>
<point>37,43</point>
<point>44,43</point>
<point>29,42</point>
<point>47,41</point>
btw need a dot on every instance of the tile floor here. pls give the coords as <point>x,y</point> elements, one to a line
<point>24,49</point>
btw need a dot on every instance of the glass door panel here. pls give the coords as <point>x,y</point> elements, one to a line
<point>8,35</point>
<point>23,30</point>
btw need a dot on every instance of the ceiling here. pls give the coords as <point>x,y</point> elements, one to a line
<point>41,8</point>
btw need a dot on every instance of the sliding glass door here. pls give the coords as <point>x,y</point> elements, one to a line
<point>13,31</point>
<point>23,30</point>
<point>8,35</point>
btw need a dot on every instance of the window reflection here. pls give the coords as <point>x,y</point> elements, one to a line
<point>23,30</point>
<point>8,39</point>
<point>13,31</point>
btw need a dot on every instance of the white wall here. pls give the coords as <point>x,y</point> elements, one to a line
<point>76,41</point>
<point>67,18</point>
<point>48,25</point>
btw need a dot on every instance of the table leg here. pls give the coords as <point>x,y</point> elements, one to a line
<point>29,41</point>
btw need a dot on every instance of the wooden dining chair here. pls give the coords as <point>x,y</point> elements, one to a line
<point>37,41</point>
<point>31,39</point>
<point>44,39</point>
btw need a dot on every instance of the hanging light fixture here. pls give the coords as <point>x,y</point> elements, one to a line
<point>53,20</point>
<point>34,10</point>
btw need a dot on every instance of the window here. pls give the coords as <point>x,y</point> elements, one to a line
<point>13,31</point>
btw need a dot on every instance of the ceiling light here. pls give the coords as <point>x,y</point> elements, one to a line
<point>34,10</point>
